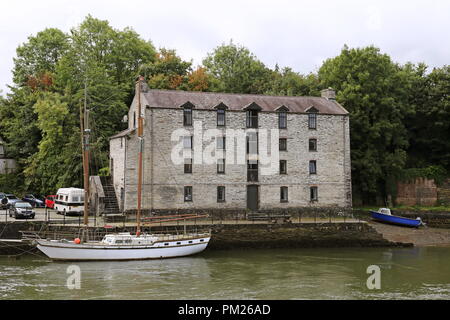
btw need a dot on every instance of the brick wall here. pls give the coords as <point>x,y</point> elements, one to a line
<point>421,191</point>
<point>443,193</point>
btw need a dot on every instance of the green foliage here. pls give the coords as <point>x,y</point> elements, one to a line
<point>40,120</point>
<point>12,183</point>
<point>289,83</point>
<point>437,173</point>
<point>430,126</point>
<point>373,89</point>
<point>440,208</point>
<point>168,71</point>
<point>399,114</point>
<point>45,169</point>
<point>39,55</point>
<point>104,172</point>
<point>235,69</point>
<point>18,123</point>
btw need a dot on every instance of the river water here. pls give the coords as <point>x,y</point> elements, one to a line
<point>406,273</point>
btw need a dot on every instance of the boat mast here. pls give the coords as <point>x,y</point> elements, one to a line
<point>86,132</point>
<point>141,147</point>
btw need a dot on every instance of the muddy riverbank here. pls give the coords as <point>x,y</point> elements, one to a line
<point>423,236</point>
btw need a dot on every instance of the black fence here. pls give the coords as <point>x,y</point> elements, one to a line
<point>48,215</point>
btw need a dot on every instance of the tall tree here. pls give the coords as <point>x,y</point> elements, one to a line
<point>39,55</point>
<point>50,73</point>
<point>46,169</point>
<point>235,69</point>
<point>33,71</point>
<point>168,71</point>
<point>372,88</point>
<point>199,80</point>
<point>289,83</point>
<point>106,61</point>
<point>430,125</point>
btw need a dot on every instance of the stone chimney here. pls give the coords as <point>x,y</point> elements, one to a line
<point>329,94</point>
<point>143,83</point>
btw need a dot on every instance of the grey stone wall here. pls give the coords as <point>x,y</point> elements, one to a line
<point>164,180</point>
<point>117,149</point>
<point>7,166</point>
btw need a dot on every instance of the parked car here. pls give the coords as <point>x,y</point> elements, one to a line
<point>21,209</point>
<point>11,200</point>
<point>2,196</point>
<point>50,201</point>
<point>34,201</point>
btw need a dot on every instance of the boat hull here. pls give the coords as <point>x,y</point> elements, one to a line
<point>396,220</point>
<point>88,252</point>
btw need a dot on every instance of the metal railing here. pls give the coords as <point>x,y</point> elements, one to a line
<point>50,217</point>
<point>97,234</point>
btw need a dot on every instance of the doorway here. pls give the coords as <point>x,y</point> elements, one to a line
<point>252,197</point>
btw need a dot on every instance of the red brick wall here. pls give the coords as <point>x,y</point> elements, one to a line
<point>443,193</point>
<point>420,192</point>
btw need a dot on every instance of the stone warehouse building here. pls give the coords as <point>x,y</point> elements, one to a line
<point>307,136</point>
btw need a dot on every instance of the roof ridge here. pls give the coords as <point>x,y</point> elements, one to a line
<point>232,94</point>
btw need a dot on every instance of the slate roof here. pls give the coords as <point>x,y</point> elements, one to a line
<point>209,100</point>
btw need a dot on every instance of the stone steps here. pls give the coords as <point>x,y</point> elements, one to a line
<point>110,199</point>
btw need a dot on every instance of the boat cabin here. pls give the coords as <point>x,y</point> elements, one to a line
<point>128,239</point>
<point>385,211</point>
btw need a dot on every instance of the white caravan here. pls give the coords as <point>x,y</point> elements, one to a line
<point>69,201</point>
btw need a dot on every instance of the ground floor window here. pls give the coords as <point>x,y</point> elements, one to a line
<point>187,194</point>
<point>284,194</point>
<point>313,194</point>
<point>221,194</point>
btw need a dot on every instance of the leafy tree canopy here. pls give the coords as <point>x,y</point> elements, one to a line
<point>399,114</point>
<point>235,69</point>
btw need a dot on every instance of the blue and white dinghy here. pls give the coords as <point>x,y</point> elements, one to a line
<point>384,215</point>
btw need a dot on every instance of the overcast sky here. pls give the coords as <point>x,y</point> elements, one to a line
<point>298,34</point>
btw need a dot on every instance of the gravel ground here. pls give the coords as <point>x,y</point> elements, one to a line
<point>423,236</point>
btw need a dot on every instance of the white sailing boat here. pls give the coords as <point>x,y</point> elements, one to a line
<point>125,246</point>
<point>122,246</point>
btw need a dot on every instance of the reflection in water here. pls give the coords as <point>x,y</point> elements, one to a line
<point>411,273</point>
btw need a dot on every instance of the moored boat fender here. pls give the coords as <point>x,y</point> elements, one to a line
<point>77,241</point>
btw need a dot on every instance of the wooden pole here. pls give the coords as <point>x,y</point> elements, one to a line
<point>141,147</point>
<point>86,133</point>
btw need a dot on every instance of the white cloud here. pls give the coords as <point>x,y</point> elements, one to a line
<point>299,34</point>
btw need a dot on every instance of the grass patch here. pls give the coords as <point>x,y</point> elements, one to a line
<point>409,208</point>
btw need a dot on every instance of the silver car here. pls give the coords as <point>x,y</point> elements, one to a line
<point>22,210</point>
